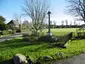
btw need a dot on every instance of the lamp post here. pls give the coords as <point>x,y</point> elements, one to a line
<point>49,33</point>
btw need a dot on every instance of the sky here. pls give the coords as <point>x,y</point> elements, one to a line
<point>8,8</point>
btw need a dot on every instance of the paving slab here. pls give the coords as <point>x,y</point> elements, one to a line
<point>74,60</point>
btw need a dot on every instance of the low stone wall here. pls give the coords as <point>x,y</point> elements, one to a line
<point>62,40</point>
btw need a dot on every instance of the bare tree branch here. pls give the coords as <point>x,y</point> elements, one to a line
<point>77,8</point>
<point>36,10</point>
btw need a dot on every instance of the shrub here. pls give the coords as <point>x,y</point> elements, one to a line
<point>33,38</point>
<point>80,34</point>
<point>30,38</point>
<point>0,32</point>
<point>18,30</point>
<point>10,31</point>
<point>3,26</point>
<point>48,38</point>
<point>25,35</point>
<point>26,39</point>
<point>60,55</point>
<point>5,32</point>
<point>13,31</point>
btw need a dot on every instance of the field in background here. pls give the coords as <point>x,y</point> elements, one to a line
<point>57,31</point>
<point>61,31</point>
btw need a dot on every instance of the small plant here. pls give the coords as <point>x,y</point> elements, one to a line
<point>30,38</point>
<point>48,39</point>
<point>25,35</point>
<point>60,55</point>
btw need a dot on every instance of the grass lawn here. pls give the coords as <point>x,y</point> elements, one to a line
<point>36,50</point>
<point>61,31</point>
<point>39,49</point>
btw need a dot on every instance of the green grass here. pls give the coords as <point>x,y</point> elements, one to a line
<point>61,31</point>
<point>39,49</point>
<point>9,48</point>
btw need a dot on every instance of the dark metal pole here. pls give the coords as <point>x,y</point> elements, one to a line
<point>49,22</point>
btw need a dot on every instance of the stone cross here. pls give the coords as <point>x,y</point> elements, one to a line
<point>49,22</point>
<point>84,9</point>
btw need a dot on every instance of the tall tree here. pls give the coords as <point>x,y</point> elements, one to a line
<point>62,22</point>
<point>2,19</point>
<point>3,26</point>
<point>74,22</point>
<point>77,8</point>
<point>36,10</point>
<point>66,21</point>
<point>70,23</point>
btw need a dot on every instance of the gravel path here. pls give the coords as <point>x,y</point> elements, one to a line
<point>74,60</point>
<point>10,37</point>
